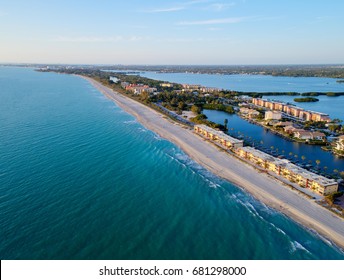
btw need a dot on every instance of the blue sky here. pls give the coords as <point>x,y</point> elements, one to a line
<point>172,32</point>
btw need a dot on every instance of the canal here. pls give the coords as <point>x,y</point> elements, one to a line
<point>264,139</point>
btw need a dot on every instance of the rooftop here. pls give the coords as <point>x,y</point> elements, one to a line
<point>291,167</point>
<point>220,134</point>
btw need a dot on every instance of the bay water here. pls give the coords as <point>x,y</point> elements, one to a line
<point>82,179</point>
<point>266,139</point>
<point>264,83</point>
<point>251,83</point>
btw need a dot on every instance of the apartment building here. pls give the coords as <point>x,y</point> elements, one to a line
<point>225,141</point>
<point>293,173</point>
<point>291,110</point>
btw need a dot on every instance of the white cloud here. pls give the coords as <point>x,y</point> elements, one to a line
<point>219,6</point>
<point>214,21</point>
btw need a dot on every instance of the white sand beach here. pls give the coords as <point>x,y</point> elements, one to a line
<point>261,186</point>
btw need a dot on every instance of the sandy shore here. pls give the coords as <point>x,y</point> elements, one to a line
<point>264,188</point>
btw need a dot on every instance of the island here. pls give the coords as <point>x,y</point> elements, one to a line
<point>306,99</point>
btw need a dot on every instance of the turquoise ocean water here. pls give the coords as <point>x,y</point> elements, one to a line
<point>82,179</point>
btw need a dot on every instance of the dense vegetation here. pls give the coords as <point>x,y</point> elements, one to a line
<point>331,94</point>
<point>331,71</point>
<point>202,119</point>
<point>306,99</point>
<point>219,107</point>
<point>136,79</point>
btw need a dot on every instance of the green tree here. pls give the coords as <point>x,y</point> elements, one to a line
<point>226,123</point>
<point>181,105</point>
<point>144,96</point>
<point>197,110</point>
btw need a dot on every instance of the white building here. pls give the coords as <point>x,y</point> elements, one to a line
<point>273,115</point>
<point>340,144</point>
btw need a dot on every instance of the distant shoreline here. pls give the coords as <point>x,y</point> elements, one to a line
<point>261,186</point>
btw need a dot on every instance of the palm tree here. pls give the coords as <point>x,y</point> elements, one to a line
<point>317,162</point>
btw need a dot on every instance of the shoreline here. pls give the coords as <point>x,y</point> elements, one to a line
<point>263,187</point>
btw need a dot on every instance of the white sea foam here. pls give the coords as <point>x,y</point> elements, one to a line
<point>297,246</point>
<point>157,137</point>
<point>183,159</point>
<point>142,129</point>
<point>130,122</point>
<point>321,237</point>
<point>253,208</point>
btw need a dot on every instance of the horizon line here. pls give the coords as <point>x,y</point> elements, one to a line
<point>146,64</point>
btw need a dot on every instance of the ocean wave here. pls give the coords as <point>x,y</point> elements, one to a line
<point>157,137</point>
<point>297,246</point>
<point>328,242</point>
<point>130,122</point>
<point>278,229</point>
<point>254,208</point>
<point>212,180</point>
<point>142,129</point>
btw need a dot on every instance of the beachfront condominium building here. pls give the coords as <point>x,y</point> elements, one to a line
<point>340,144</point>
<point>140,88</point>
<point>293,173</point>
<point>291,110</point>
<point>282,167</point>
<point>219,137</point>
<point>273,115</point>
